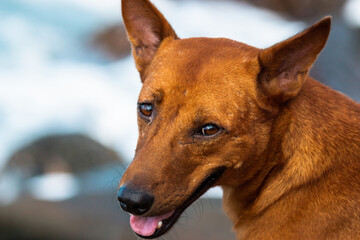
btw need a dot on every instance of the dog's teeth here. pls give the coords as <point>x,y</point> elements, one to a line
<point>159,225</point>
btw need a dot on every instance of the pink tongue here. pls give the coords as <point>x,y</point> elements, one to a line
<point>146,226</point>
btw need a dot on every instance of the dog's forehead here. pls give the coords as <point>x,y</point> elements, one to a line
<point>204,65</point>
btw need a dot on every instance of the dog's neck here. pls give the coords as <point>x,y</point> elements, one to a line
<point>307,131</point>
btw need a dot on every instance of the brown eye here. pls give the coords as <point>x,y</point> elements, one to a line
<point>209,130</point>
<point>146,109</point>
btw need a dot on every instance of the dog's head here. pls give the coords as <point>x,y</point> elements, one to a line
<point>205,111</point>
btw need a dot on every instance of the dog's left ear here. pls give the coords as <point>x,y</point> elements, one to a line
<point>147,29</point>
<point>284,66</point>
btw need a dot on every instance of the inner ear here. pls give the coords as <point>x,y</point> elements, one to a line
<point>284,66</point>
<point>146,28</point>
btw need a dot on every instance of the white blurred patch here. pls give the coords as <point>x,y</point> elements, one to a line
<point>53,187</point>
<point>215,192</point>
<point>104,8</point>
<point>229,19</point>
<point>351,12</point>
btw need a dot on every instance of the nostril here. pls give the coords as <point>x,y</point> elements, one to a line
<point>141,211</point>
<point>135,201</point>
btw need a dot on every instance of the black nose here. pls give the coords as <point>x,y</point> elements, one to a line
<point>134,202</point>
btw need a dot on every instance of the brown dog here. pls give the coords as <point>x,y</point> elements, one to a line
<point>284,147</point>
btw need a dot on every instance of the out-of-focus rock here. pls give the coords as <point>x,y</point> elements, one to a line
<point>112,42</point>
<point>72,153</point>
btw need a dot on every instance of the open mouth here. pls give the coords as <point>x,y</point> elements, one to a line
<point>153,227</point>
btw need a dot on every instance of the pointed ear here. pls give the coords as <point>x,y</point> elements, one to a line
<point>146,28</point>
<point>284,66</point>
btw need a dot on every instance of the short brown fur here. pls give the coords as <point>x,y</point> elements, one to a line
<point>290,145</point>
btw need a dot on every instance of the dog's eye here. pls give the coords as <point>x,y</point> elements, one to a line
<point>146,109</point>
<point>209,130</point>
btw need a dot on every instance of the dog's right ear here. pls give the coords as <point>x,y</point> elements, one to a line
<point>147,29</point>
<point>284,66</point>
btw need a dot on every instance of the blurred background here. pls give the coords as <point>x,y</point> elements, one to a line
<point>68,93</point>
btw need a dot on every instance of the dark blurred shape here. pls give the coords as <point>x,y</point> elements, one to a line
<point>61,187</point>
<point>72,153</point>
<point>112,42</point>
<point>301,9</point>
